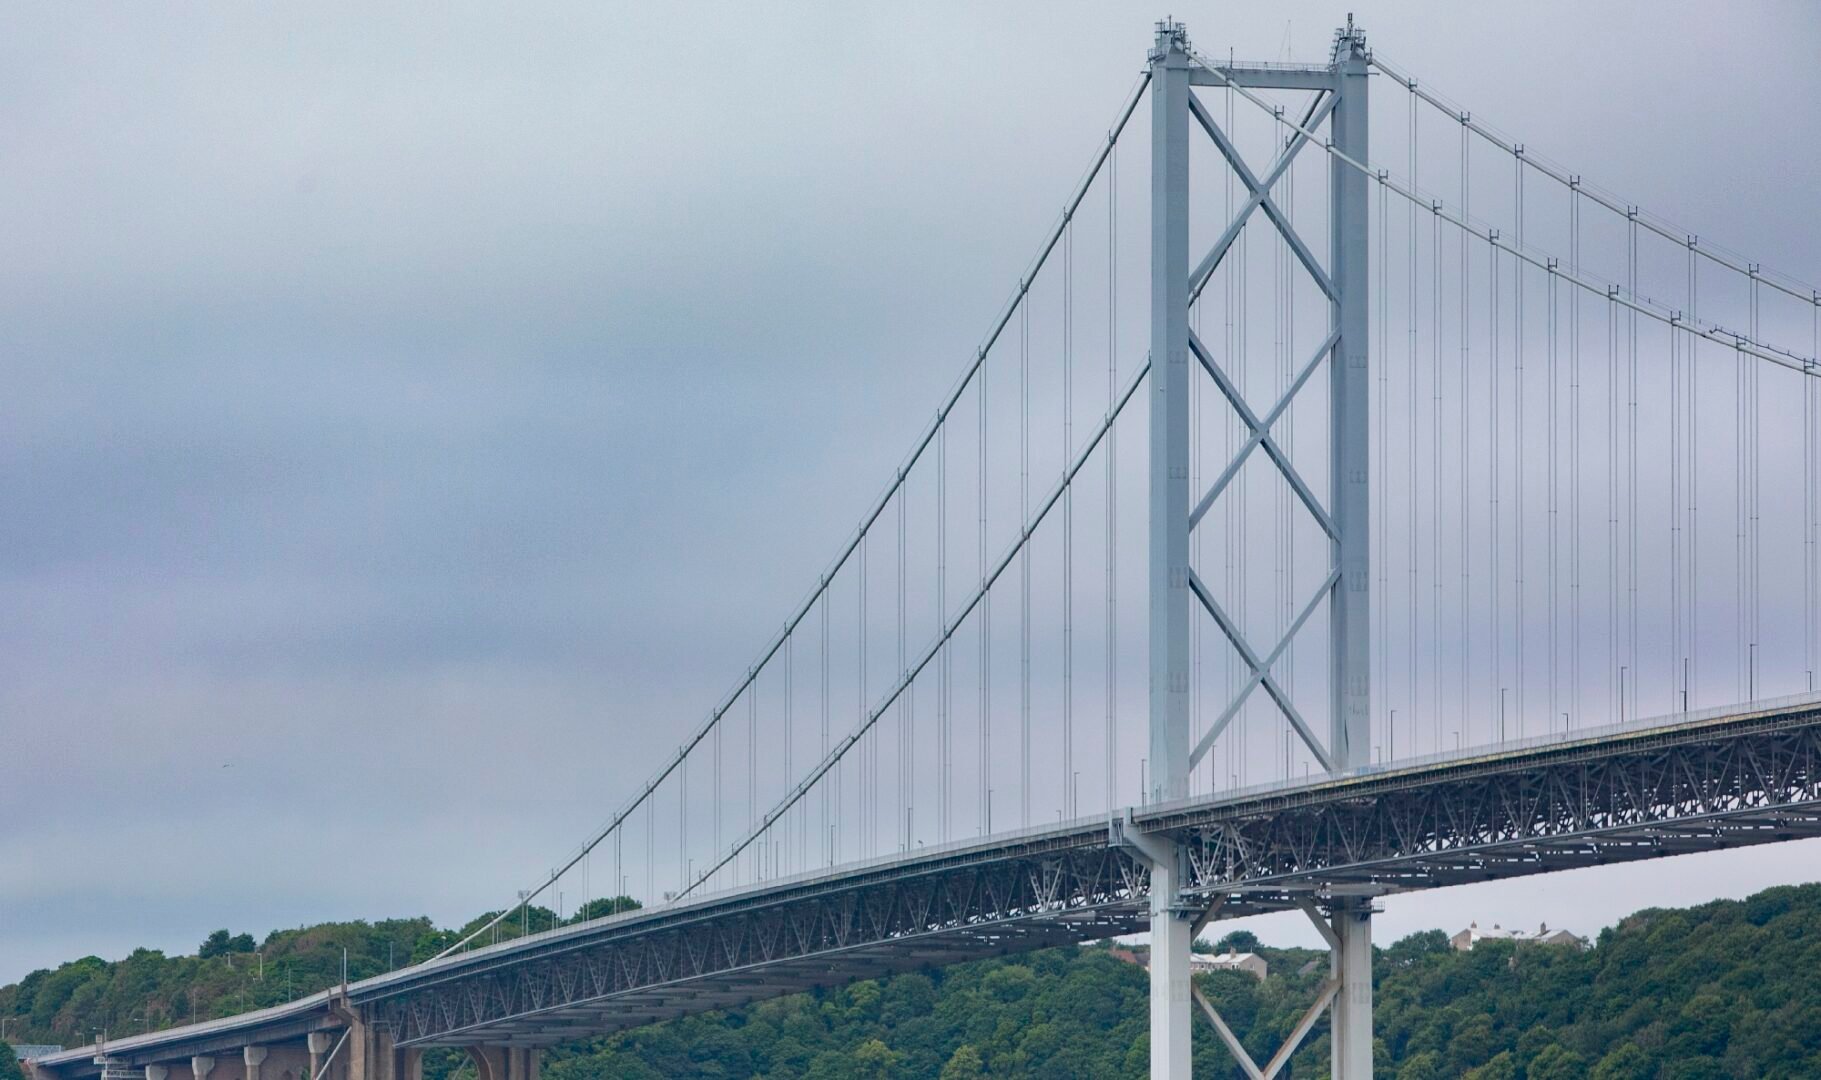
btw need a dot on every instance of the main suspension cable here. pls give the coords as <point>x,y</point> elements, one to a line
<point>712,723</point>
<point>1738,264</point>
<point>1631,301</point>
<point>949,625</point>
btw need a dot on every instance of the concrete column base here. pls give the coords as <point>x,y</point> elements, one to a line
<point>1352,967</point>
<point>507,1062</point>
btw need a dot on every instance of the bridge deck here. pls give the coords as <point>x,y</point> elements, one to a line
<point>1701,781</point>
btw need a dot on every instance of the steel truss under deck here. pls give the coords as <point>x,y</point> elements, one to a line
<point>1696,786</point>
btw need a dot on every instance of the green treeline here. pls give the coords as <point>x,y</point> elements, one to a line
<point>232,973</point>
<point>1730,989</point>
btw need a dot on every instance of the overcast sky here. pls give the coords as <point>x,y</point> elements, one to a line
<point>411,420</point>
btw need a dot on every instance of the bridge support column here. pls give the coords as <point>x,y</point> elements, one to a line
<point>1173,928</point>
<point>506,1062</point>
<point>253,1057</point>
<point>1169,546</point>
<point>372,1053</point>
<point>1171,934</point>
<point>200,1067</point>
<point>1351,964</point>
<point>319,1043</point>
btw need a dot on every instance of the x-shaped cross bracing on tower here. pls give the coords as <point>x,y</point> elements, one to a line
<point>1258,429</point>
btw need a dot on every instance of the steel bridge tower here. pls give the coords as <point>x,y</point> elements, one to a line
<point>1175,589</point>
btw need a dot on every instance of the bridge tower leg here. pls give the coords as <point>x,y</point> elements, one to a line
<point>1351,964</point>
<point>1350,736</point>
<point>1169,540</point>
<point>1349,621</point>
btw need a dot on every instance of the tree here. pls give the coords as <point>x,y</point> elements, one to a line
<point>1238,941</point>
<point>1502,1067</point>
<point>220,943</point>
<point>963,1064</point>
<point>1628,1062</point>
<point>1553,1062</point>
<point>874,1060</point>
<point>604,906</point>
<point>9,1064</point>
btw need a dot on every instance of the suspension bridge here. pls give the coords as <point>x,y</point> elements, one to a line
<point>1459,562</point>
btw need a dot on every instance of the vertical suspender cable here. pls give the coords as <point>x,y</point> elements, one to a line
<point>1549,509</point>
<point>1236,551</point>
<point>1414,541</point>
<point>1757,534</point>
<point>1741,501</point>
<point>865,800</point>
<point>1276,379</point>
<point>1195,545</point>
<point>945,717</point>
<point>1631,481</point>
<point>1574,459</point>
<point>944,758</point>
<point>1692,596</point>
<point>1741,647</point>
<point>1694,474</point>
<point>1677,665</point>
<point>1383,418</point>
<point>1112,549</point>
<point>1024,563</point>
<point>1517,451</point>
<point>1497,634</point>
<point>1288,423</point>
<point>1465,509</point>
<point>1232,276</point>
<point>984,808</point>
<point>1435,443</point>
<point>752,772</point>
<point>944,694</point>
<point>1809,477</point>
<point>1068,522</point>
<point>827,825</point>
<point>717,791</point>
<point>790,767</point>
<point>906,705</point>
<point>1613,565</point>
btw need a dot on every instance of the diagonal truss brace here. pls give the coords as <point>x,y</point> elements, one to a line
<point>1212,261</point>
<point>1324,996</point>
<point>1260,673</point>
<point>1261,669</point>
<point>1261,432</point>
<point>1261,197</point>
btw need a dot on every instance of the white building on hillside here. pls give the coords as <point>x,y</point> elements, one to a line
<point>1250,963</point>
<point>1474,934</point>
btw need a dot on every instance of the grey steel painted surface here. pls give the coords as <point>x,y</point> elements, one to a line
<point>1350,447</point>
<point>1169,450</point>
<point>1663,786</point>
<point>1267,76</point>
<point>1350,456</point>
<point>1170,573</point>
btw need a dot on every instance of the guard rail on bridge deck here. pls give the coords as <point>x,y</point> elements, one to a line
<point>1692,782</point>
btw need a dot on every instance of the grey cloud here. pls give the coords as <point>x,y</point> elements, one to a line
<point>430,412</point>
